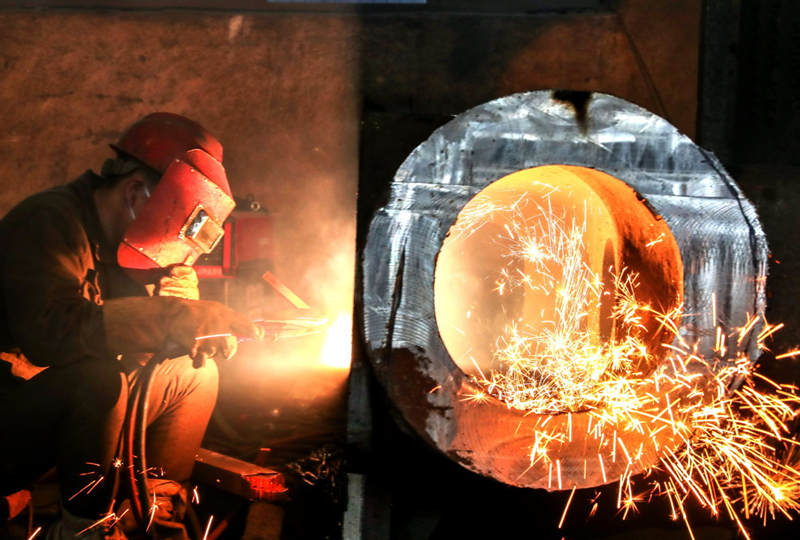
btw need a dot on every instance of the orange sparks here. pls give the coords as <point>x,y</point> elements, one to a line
<point>683,515</point>
<point>208,527</point>
<point>747,328</point>
<point>558,472</point>
<point>768,331</point>
<point>153,508</point>
<point>602,468</point>
<point>566,507</point>
<point>699,410</point>
<point>111,516</point>
<point>88,487</point>
<point>476,397</point>
<point>658,239</point>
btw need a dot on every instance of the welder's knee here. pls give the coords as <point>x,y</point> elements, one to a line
<point>177,381</point>
<point>181,400</point>
<point>189,379</point>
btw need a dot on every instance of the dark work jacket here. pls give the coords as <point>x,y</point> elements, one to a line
<point>55,270</point>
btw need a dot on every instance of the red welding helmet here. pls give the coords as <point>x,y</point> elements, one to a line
<point>159,138</point>
<point>183,217</point>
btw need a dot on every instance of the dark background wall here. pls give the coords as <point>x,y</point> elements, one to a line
<point>764,143</point>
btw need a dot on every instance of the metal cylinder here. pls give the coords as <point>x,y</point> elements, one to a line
<point>670,189</point>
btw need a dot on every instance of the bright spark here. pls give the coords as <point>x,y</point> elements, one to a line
<point>736,456</point>
<point>566,507</point>
<point>208,527</point>
<point>658,239</point>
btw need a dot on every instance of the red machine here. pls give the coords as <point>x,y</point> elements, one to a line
<point>246,248</point>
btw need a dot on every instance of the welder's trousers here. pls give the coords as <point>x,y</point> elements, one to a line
<point>71,417</point>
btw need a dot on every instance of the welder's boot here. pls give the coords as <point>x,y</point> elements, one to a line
<point>70,527</point>
<point>165,517</point>
<point>171,499</point>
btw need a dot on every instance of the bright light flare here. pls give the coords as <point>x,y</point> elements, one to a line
<point>337,349</point>
<point>562,364</point>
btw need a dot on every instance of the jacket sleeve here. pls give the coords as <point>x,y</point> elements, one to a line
<point>44,269</point>
<point>45,264</point>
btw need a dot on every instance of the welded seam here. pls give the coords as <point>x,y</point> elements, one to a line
<point>397,295</point>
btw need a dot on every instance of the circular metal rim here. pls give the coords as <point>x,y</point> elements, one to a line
<point>410,359</point>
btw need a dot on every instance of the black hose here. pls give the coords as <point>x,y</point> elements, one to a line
<point>135,444</point>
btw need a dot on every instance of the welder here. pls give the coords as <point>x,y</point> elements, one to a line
<point>96,281</point>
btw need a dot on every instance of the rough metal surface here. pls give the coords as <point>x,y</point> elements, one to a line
<point>238,477</point>
<point>718,233</point>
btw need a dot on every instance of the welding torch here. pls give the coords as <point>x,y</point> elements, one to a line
<point>276,329</point>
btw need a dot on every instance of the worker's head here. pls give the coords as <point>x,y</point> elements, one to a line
<point>159,138</point>
<point>132,181</point>
<point>170,190</point>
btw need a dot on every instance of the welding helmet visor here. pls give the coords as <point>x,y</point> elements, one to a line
<point>183,217</point>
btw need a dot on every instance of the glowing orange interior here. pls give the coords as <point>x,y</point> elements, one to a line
<point>478,265</point>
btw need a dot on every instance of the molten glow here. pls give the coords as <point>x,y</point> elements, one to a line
<point>729,448</point>
<point>337,350</point>
<point>562,364</point>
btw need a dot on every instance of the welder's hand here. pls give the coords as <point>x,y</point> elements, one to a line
<point>20,366</point>
<point>201,328</point>
<point>180,282</point>
<point>210,329</point>
<point>223,347</point>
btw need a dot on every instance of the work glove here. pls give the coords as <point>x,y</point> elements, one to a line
<point>170,500</point>
<point>181,282</point>
<point>211,330</point>
<point>20,365</point>
<point>200,328</point>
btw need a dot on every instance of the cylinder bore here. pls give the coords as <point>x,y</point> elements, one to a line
<point>537,285</point>
<point>553,293</point>
<point>431,291</point>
